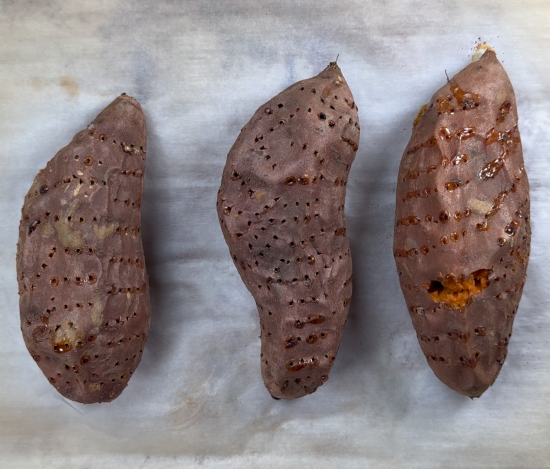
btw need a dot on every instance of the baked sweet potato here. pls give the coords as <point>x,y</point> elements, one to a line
<point>84,294</point>
<point>462,234</point>
<point>281,209</point>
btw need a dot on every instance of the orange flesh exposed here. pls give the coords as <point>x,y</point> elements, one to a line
<point>420,114</point>
<point>457,293</point>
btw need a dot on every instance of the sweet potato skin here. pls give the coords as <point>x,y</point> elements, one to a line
<point>84,293</point>
<point>462,233</point>
<point>281,210</point>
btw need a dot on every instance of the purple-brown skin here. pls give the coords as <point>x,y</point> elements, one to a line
<point>281,209</point>
<point>84,292</point>
<point>462,224</point>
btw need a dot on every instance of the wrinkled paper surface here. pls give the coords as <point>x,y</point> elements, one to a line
<point>200,70</point>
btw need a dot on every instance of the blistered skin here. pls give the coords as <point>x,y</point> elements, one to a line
<point>462,234</point>
<point>281,209</point>
<point>84,294</point>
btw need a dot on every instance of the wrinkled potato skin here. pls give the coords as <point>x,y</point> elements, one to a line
<point>462,210</point>
<point>84,293</point>
<point>281,209</point>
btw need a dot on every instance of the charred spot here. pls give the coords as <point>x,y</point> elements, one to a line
<point>435,286</point>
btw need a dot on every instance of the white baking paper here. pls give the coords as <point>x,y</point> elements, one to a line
<point>200,69</point>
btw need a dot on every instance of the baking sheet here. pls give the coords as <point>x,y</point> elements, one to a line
<point>200,70</point>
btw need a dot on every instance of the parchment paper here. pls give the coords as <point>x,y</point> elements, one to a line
<point>200,69</point>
